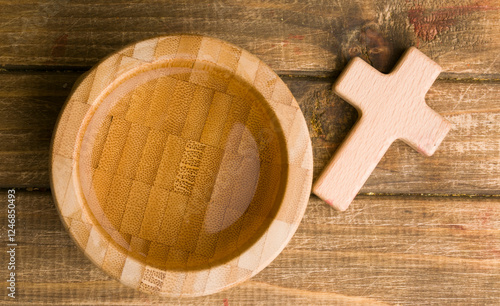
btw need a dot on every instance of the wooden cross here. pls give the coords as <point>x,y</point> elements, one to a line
<point>391,106</point>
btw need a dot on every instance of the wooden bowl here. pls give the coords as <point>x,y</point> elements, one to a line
<point>181,165</point>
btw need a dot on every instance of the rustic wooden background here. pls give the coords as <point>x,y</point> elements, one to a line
<point>423,231</point>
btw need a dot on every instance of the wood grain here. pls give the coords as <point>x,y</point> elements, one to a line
<point>382,250</point>
<point>467,162</point>
<point>316,38</point>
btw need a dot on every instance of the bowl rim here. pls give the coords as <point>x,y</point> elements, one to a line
<point>64,176</point>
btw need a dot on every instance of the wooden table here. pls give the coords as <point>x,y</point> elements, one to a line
<point>423,231</point>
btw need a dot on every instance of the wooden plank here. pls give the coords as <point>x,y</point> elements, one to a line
<point>467,162</point>
<point>30,104</point>
<point>383,249</point>
<point>316,38</point>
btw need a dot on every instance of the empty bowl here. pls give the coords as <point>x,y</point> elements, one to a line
<point>181,165</point>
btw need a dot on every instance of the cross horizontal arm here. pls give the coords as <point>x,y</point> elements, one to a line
<point>426,130</point>
<point>358,83</point>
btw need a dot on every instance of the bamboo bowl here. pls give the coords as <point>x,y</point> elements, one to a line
<point>181,165</point>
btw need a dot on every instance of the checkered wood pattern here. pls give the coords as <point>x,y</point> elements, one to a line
<point>182,165</point>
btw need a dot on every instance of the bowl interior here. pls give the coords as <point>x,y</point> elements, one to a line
<point>182,165</point>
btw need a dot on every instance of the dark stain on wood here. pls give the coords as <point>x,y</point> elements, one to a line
<point>429,23</point>
<point>59,48</point>
<point>374,41</point>
<point>372,46</point>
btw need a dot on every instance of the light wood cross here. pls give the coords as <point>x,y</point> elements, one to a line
<point>391,106</point>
